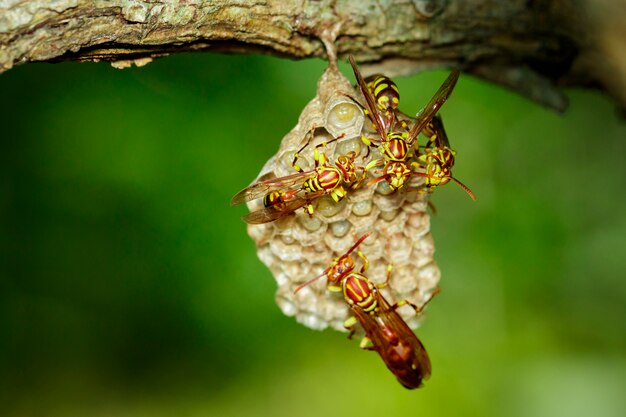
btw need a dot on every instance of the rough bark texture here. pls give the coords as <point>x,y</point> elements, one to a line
<point>533,47</point>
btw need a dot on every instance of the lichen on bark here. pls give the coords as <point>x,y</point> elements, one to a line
<point>533,47</point>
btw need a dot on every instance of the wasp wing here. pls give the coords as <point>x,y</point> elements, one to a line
<point>369,101</point>
<point>429,110</point>
<point>403,353</point>
<point>273,213</point>
<point>260,189</point>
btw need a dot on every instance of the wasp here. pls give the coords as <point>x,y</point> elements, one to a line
<point>396,145</point>
<point>385,331</point>
<point>386,96</point>
<point>438,158</point>
<point>282,196</point>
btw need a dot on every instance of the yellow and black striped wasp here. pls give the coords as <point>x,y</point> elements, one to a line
<point>397,145</point>
<point>282,196</point>
<point>437,157</point>
<point>385,331</point>
<point>386,96</point>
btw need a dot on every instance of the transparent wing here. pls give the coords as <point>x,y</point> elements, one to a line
<point>369,101</point>
<point>273,213</point>
<point>429,110</point>
<point>403,353</point>
<point>420,366</point>
<point>260,189</point>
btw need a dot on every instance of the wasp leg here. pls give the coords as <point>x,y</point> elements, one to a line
<point>334,288</point>
<point>366,262</point>
<point>366,344</point>
<point>296,155</point>
<point>359,181</point>
<point>324,144</point>
<point>417,309</point>
<point>338,194</point>
<point>386,283</point>
<point>350,324</point>
<point>432,207</point>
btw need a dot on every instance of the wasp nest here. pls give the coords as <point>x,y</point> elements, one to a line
<point>299,247</point>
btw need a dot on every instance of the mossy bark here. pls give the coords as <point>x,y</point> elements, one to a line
<point>533,47</point>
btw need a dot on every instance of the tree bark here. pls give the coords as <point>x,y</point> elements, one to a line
<point>531,46</point>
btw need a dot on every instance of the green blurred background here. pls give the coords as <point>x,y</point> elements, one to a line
<point>130,288</point>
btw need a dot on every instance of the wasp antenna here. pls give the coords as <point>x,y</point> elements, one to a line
<point>467,190</point>
<point>376,180</point>
<point>311,281</point>
<point>356,244</point>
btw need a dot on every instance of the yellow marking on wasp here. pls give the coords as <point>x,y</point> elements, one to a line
<point>333,288</point>
<point>366,262</point>
<point>380,87</point>
<point>366,343</point>
<point>349,322</point>
<point>354,294</point>
<point>338,194</point>
<point>371,165</point>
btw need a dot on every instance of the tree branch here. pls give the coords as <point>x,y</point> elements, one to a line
<point>529,46</point>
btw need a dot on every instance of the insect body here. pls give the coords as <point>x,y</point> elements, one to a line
<point>284,195</point>
<point>386,95</point>
<point>438,158</point>
<point>385,331</point>
<point>396,145</point>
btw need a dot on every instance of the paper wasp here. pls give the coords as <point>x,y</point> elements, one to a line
<point>438,158</point>
<point>385,331</point>
<point>386,96</point>
<point>396,146</point>
<point>284,195</point>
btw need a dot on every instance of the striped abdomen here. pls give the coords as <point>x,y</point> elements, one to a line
<point>358,291</point>
<point>275,199</point>
<point>385,92</point>
<point>327,179</point>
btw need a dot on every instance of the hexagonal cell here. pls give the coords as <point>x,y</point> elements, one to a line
<point>340,228</point>
<point>339,244</point>
<point>343,117</point>
<point>363,193</point>
<point>397,224</point>
<point>364,224</point>
<point>398,248</point>
<point>327,207</point>
<point>297,247</point>
<point>391,201</point>
<point>404,280</point>
<point>285,252</point>
<point>349,145</point>
<point>304,236</point>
